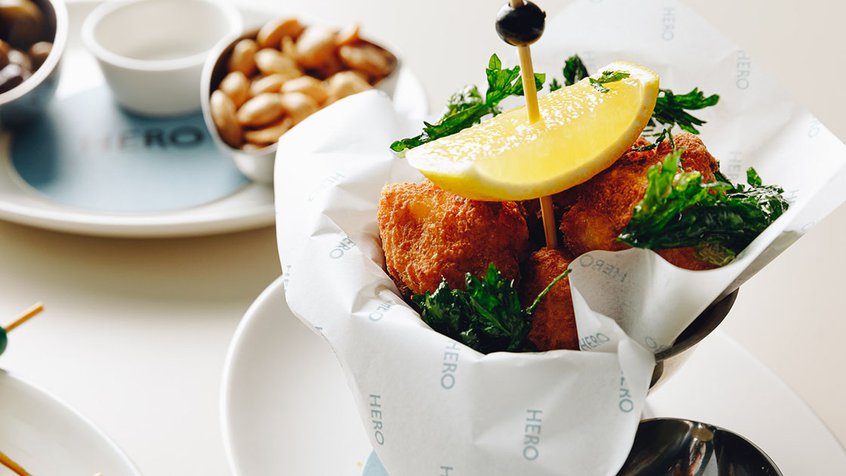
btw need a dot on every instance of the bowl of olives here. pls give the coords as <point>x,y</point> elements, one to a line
<point>32,38</point>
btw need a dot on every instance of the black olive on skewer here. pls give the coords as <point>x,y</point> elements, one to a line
<point>520,26</point>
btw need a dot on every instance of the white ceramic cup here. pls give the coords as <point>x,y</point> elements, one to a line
<point>152,52</point>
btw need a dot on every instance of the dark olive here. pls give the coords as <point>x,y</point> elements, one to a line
<point>21,22</point>
<point>38,53</point>
<point>12,76</point>
<point>4,54</point>
<point>520,26</point>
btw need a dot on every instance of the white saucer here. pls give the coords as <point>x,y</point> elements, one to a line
<point>45,436</point>
<point>284,402</point>
<point>246,207</point>
<point>286,409</point>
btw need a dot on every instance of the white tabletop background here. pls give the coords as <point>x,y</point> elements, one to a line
<point>136,331</point>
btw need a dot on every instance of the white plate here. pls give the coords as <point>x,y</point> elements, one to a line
<point>46,437</point>
<point>286,408</point>
<point>285,404</point>
<point>249,206</point>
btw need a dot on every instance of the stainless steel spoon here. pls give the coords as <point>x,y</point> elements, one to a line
<point>675,447</point>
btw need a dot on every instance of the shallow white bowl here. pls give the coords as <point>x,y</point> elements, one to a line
<point>45,436</point>
<point>258,165</point>
<point>152,51</point>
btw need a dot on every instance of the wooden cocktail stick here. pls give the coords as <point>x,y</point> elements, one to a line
<point>528,74</point>
<point>27,315</point>
<point>531,94</point>
<point>15,467</point>
<point>548,216</point>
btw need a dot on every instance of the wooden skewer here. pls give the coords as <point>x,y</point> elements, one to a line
<point>27,315</point>
<point>531,94</point>
<point>528,73</point>
<point>550,233</point>
<point>15,467</point>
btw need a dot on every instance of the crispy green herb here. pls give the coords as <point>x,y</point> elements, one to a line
<point>467,107</point>
<point>672,110</point>
<point>467,98</point>
<point>464,109</point>
<point>607,77</point>
<point>665,134</point>
<point>554,85</point>
<point>574,70</point>
<point>487,316</point>
<point>718,218</point>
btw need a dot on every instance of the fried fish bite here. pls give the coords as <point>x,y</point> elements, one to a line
<point>599,209</point>
<point>554,321</point>
<point>429,234</point>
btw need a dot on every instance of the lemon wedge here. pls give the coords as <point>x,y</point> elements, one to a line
<point>582,132</point>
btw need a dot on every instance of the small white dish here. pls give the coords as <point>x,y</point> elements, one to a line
<point>285,405</point>
<point>152,52</point>
<point>45,436</point>
<point>258,165</point>
<point>286,408</point>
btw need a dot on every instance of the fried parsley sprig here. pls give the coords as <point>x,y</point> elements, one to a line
<point>718,218</point>
<point>486,316</point>
<point>467,107</point>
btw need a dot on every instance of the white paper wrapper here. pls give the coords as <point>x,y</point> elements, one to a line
<point>432,406</point>
<point>429,403</point>
<point>756,124</point>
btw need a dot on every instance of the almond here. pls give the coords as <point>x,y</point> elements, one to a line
<point>225,119</point>
<point>260,110</point>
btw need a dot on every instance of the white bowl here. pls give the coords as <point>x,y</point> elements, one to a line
<point>26,101</point>
<point>152,51</point>
<point>258,165</point>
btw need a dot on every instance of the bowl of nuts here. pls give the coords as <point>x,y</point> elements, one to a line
<point>262,83</point>
<point>32,38</point>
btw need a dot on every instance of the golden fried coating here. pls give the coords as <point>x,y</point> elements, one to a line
<point>695,155</point>
<point>685,258</point>
<point>598,210</point>
<point>553,322</point>
<point>429,234</point>
<point>565,200</point>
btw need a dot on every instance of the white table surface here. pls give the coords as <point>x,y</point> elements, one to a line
<point>135,332</point>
